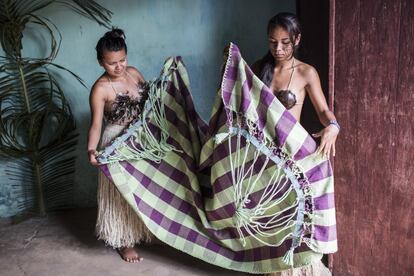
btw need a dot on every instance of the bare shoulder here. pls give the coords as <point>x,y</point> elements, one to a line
<point>307,71</point>
<point>99,89</point>
<point>136,73</point>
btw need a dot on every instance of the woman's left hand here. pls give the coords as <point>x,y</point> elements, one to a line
<point>328,138</point>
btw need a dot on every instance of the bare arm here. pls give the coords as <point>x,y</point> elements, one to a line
<point>330,132</point>
<point>136,73</point>
<point>317,97</point>
<point>97,104</point>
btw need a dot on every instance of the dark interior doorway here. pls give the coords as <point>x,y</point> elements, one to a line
<point>314,17</point>
<point>314,50</point>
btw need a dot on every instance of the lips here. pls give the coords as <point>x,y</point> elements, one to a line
<point>276,55</point>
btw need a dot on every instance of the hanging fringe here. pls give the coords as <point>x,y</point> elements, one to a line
<point>257,220</point>
<point>288,258</point>
<point>315,269</point>
<point>143,144</point>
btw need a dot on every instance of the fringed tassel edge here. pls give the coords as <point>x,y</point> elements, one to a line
<point>306,227</point>
<point>138,145</point>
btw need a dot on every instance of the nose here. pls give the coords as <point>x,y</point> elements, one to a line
<point>279,47</point>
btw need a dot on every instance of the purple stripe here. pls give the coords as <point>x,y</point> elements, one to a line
<point>163,194</point>
<point>224,212</point>
<point>251,255</point>
<point>104,168</point>
<point>249,77</point>
<point>284,126</point>
<point>228,84</point>
<point>325,233</point>
<point>230,75</point>
<point>182,96</point>
<point>245,95</point>
<point>224,181</point>
<point>308,147</point>
<point>189,160</point>
<point>186,207</point>
<point>244,99</point>
<point>220,213</point>
<point>191,112</point>
<point>216,122</point>
<point>171,172</point>
<point>266,98</point>
<point>324,202</point>
<point>181,127</point>
<point>169,198</point>
<point>319,172</point>
<point>222,150</point>
<point>182,205</point>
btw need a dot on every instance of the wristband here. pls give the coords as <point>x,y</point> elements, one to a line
<point>335,123</point>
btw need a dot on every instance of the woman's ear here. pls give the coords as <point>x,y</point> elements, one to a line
<point>297,40</point>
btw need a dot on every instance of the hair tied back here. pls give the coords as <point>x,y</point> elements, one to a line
<point>115,33</point>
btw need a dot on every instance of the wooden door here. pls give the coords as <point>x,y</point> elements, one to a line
<point>371,86</point>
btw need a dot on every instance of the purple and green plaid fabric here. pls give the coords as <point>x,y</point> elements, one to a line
<point>246,192</point>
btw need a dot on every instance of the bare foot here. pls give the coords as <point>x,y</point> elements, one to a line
<point>129,254</point>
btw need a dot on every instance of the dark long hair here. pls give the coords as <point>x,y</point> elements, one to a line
<point>290,23</point>
<point>113,41</point>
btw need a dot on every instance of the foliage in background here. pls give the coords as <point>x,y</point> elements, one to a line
<point>37,128</point>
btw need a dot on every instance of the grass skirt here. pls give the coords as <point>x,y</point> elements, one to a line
<point>117,224</point>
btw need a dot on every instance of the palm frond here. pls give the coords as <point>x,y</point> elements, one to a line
<point>54,176</point>
<point>89,9</point>
<point>17,9</point>
<point>52,30</point>
<point>37,128</point>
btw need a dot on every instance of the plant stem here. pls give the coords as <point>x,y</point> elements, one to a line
<point>41,200</point>
<point>24,91</point>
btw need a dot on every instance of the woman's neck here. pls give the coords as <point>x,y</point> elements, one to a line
<point>284,64</point>
<point>120,78</point>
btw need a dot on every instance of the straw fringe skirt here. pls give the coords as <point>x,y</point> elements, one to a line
<point>117,224</point>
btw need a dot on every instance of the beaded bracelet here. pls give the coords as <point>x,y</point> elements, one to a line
<point>335,123</point>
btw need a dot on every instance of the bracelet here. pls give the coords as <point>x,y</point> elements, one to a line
<point>335,123</point>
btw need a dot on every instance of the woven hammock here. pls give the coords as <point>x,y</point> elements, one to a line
<point>246,192</point>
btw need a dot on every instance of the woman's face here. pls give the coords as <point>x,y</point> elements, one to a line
<point>114,62</point>
<point>280,45</point>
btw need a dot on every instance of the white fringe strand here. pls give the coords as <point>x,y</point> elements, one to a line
<point>315,269</point>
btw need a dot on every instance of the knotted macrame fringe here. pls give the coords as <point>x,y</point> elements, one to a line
<point>150,147</point>
<point>253,220</point>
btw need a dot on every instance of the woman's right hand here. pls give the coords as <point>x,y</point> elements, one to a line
<point>92,157</point>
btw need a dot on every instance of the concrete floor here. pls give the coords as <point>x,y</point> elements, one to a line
<point>64,244</point>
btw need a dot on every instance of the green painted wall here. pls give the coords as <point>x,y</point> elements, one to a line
<point>198,30</point>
